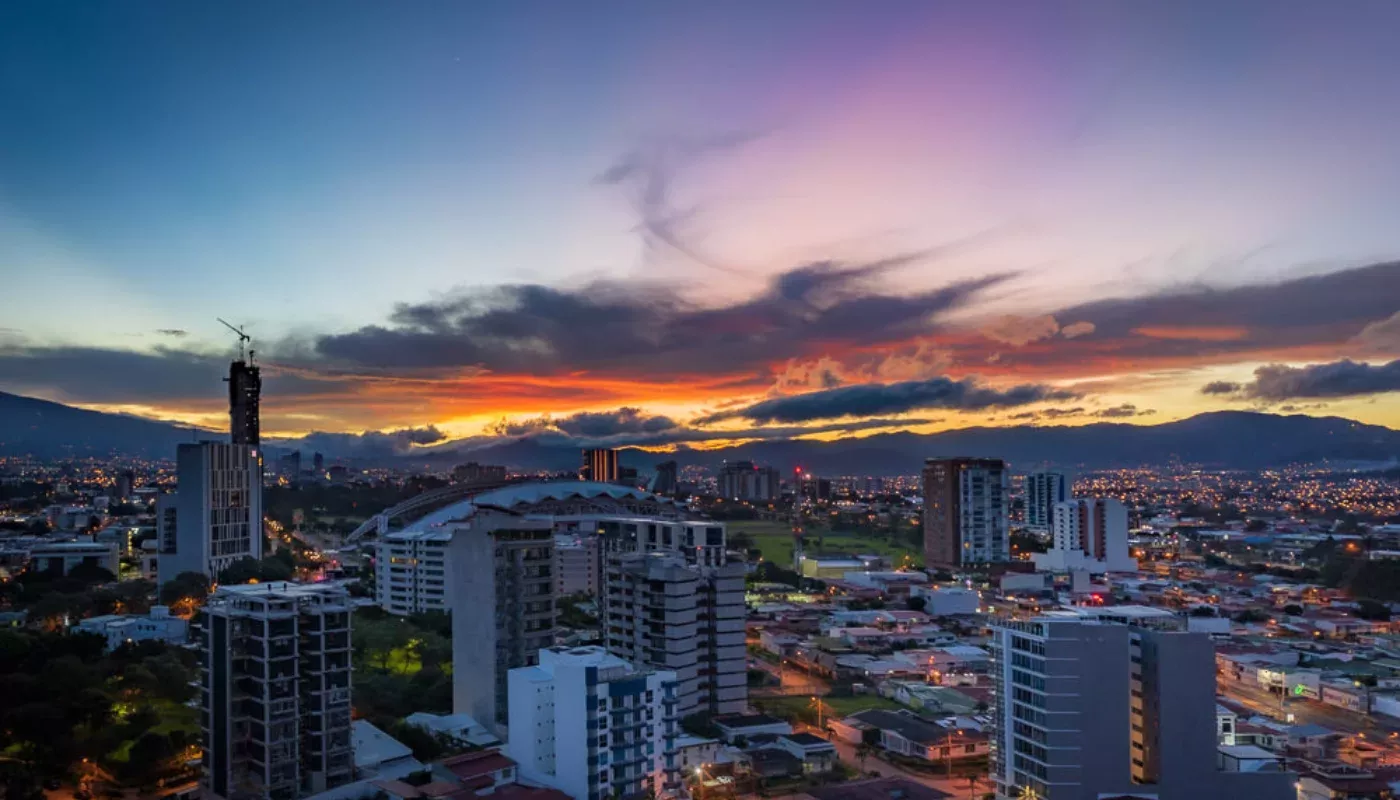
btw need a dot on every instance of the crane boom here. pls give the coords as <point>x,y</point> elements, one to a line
<point>243,338</point>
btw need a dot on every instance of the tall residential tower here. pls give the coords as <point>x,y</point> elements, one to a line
<point>215,516</point>
<point>1043,490</point>
<point>965,511</point>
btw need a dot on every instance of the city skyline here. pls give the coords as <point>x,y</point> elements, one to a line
<point>642,226</point>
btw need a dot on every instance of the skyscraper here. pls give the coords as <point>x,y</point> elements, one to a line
<point>244,390</point>
<point>1043,491</point>
<point>965,511</point>
<point>743,480</point>
<point>1085,709</point>
<point>662,612</point>
<point>600,465</point>
<point>665,481</point>
<point>502,601</point>
<point>275,680</point>
<point>216,510</point>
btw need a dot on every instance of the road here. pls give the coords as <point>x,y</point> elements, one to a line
<point>958,786</point>
<point>1305,711</point>
<point>794,680</point>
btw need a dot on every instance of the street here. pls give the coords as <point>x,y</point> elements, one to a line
<point>794,680</point>
<point>1305,711</point>
<point>957,786</point>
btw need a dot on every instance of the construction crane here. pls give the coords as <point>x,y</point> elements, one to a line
<point>243,339</point>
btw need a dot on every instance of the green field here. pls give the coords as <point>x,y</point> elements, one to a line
<point>802,708</point>
<point>774,539</point>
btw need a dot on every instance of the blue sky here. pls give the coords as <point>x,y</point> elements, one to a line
<point>308,168</point>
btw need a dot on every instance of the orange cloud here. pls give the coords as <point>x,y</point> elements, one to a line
<point>1222,333</point>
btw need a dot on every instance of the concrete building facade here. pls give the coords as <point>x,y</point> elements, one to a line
<point>593,725</point>
<point>411,572</point>
<point>966,506</point>
<point>576,565</point>
<point>502,600</point>
<point>744,480</point>
<point>663,613</point>
<point>275,691</point>
<point>215,517</point>
<point>1085,709</point>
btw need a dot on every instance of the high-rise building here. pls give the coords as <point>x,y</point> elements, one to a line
<point>244,390</point>
<point>318,462</point>
<point>216,510</point>
<point>600,465</point>
<point>411,571</point>
<point>126,481</point>
<point>965,511</point>
<point>1043,490</point>
<point>576,564</point>
<point>473,472</point>
<point>289,466</point>
<point>275,682</point>
<point>743,480</point>
<point>595,726</point>
<point>665,481</point>
<point>1090,533</point>
<point>1086,709</point>
<point>502,601</point>
<point>661,612</point>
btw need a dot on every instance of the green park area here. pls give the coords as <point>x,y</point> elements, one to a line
<point>774,540</point>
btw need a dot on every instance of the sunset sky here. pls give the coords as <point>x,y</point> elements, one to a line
<point>642,223</point>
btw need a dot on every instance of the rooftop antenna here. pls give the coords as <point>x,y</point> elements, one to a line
<point>243,340</point>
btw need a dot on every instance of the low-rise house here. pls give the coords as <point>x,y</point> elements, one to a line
<point>118,629</point>
<point>907,734</point>
<point>817,754</point>
<point>481,771</point>
<point>379,755</point>
<point>734,726</point>
<point>462,729</point>
<point>696,751</point>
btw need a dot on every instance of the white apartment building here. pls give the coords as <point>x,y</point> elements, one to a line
<point>1090,533</point>
<point>215,516</point>
<point>411,571</point>
<point>1043,490</point>
<point>119,629</point>
<point>593,725</point>
<point>275,684</point>
<point>659,611</point>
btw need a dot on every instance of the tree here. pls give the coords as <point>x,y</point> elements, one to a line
<point>1255,526</point>
<point>869,741</point>
<point>192,586</point>
<point>1202,611</point>
<point>1372,610</point>
<point>244,570</point>
<point>1251,615</point>
<point>1293,610</point>
<point>916,603</point>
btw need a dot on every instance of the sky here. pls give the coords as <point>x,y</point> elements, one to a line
<point>658,223</point>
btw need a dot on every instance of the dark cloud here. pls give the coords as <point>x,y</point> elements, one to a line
<point>547,433</point>
<point>891,398</point>
<point>176,333</point>
<point>593,425</point>
<point>1123,411</point>
<point>371,444</point>
<point>1344,378</point>
<point>1205,324</point>
<point>647,331</point>
<point>95,375</point>
<point>648,174</point>
<point>1220,387</point>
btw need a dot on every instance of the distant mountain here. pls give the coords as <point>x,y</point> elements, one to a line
<point>1225,439</point>
<point>53,430</point>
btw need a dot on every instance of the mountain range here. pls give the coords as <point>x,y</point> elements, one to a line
<point>1223,439</point>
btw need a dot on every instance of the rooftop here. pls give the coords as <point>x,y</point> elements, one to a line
<point>520,496</point>
<point>878,789</point>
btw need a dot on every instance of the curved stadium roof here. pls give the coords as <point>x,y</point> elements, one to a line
<point>522,497</point>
